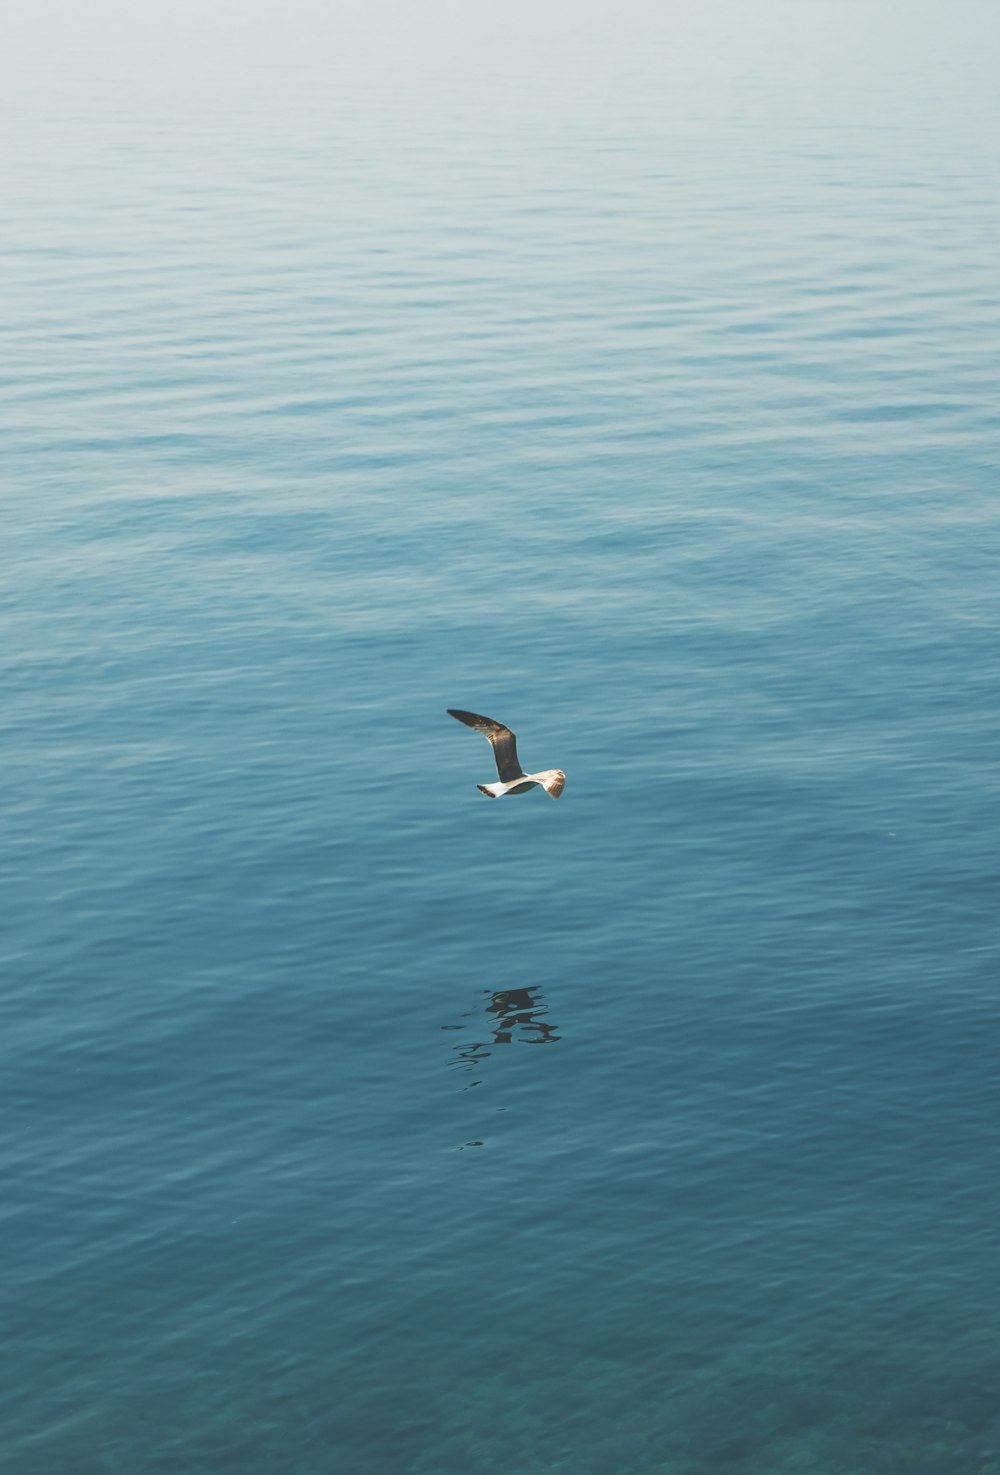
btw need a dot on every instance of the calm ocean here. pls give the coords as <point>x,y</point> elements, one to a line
<point>629,373</point>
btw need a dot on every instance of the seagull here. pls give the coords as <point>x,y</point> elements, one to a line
<point>513,779</point>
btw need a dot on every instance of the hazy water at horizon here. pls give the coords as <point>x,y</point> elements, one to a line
<point>629,374</point>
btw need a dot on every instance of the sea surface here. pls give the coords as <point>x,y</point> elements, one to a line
<point>626,372</point>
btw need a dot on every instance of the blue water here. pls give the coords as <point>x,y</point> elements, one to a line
<point>628,373</point>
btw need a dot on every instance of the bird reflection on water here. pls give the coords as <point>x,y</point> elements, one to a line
<point>516,1016</point>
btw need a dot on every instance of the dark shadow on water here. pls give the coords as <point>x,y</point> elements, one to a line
<point>514,1016</point>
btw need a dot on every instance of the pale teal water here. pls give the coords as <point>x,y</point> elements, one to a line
<point>630,374</point>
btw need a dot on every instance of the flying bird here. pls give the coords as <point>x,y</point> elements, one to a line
<point>513,779</point>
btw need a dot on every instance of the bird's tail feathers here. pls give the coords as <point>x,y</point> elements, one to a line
<point>555,783</point>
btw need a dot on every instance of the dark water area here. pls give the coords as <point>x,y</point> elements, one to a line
<point>628,374</point>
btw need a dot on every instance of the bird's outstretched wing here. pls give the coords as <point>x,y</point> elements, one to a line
<point>502,739</point>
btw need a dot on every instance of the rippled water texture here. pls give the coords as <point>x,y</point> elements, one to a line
<point>625,372</point>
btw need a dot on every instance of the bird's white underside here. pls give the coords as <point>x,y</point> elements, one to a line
<point>549,778</point>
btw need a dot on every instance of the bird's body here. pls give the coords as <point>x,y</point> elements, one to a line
<point>513,779</point>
